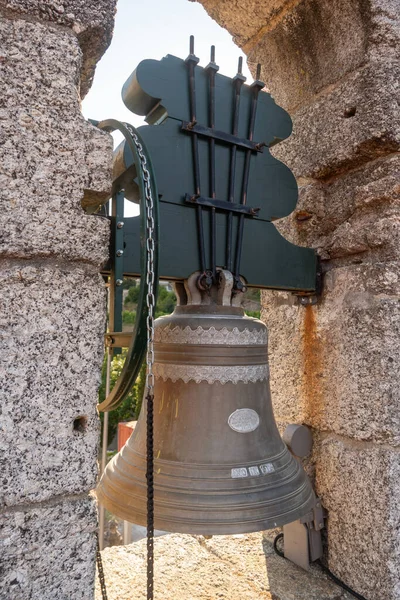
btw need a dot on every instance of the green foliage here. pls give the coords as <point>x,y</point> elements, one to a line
<point>128,317</point>
<point>253,313</point>
<point>132,296</point>
<point>166,302</point>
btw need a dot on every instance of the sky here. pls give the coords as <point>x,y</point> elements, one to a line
<point>153,30</point>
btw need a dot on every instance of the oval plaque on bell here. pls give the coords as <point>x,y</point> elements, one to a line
<point>244,420</point>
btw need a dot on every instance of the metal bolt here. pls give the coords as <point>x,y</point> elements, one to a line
<point>120,224</point>
<point>119,252</point>
<point>119,282</point>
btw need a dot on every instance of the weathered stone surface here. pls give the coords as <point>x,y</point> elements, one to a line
<point>312,34</point>
<point>335,366</point>
<point>52,322</point>
<point>296,52</point>
<point>91,20</point>
<point>48,552</point>
<point>295,40</point>
<point>49,154</point>
<point>352,214</point>
<point>360,486</point>
<point>237,567</point>
<point>52,310</point>
<point>247,19</point>
<point>347,126</point>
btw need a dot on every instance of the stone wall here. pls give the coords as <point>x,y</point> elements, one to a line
<point>52,311</point>
<point>334,65</point>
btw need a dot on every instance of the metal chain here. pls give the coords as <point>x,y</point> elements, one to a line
<point>150,300</point>
<point>100,571</point>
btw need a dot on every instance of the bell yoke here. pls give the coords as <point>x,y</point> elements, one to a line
<point>219,463</point>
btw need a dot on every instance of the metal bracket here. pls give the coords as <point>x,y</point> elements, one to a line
<point>222,205</point>
<point>305,299</point>
<point>118,339</point>
<point>222,136</point>
<point>302,538</point>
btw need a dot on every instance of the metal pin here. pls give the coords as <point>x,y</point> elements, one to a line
<point>192,61</point>
<point>212,69</point>
<point>238,82</point>
<point>256,86</point>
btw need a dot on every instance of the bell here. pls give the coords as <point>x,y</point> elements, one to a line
<point>220,465</point>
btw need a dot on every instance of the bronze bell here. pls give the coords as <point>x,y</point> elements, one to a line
<point>221,466</point>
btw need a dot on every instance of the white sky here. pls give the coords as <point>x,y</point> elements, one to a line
<point>154,29</point>
<point>145,29</point>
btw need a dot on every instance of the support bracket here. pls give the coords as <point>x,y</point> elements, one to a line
<point>302,538</point>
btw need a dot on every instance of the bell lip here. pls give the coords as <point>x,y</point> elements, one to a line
<point>201,528</point>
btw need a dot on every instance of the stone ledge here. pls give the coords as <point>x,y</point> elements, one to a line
<point>237,567</point>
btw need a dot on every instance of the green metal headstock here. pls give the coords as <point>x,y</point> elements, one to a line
<point>160,91</point>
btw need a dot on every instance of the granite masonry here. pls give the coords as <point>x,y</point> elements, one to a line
<point>335,366</point>
<point>52,310</point>
<point>334,66</point>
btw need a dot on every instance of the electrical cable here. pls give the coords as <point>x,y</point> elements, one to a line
<point>325,569</point>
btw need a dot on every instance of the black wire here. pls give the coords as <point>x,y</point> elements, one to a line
<point>339,581</point>
<point>325,569</point>
<point>276,540</point>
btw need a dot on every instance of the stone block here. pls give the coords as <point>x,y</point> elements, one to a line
<point>295,53</point>
<point>355,122</point>
<point>49,552</point>
<point>295,40</point>
<point>52,320</point>
<point>349,215</point>
<point>335,366</point>
<point>91,21</point>
<point>50,156</point>
<point>359,485</point>
<point>246,19</point>
<point>312,34</point>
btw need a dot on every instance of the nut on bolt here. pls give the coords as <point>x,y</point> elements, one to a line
<point>120,224</point>
<point>119,252</point>
<point>119,282</point>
